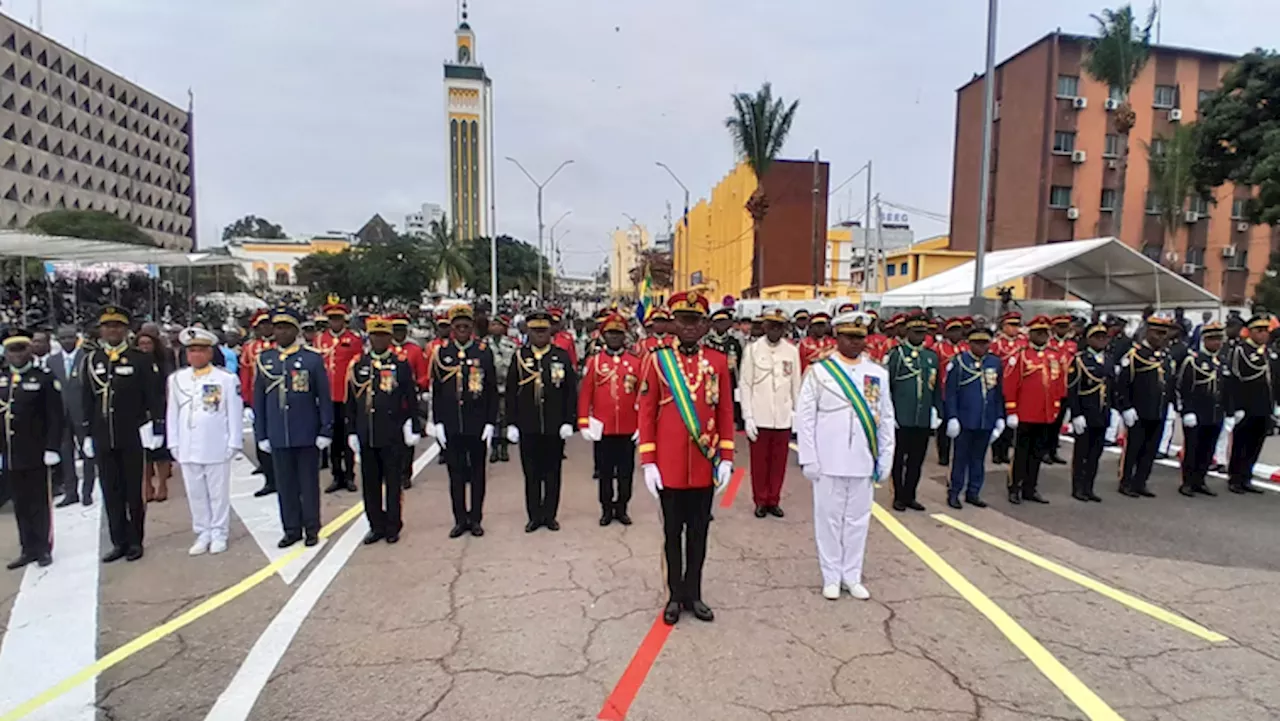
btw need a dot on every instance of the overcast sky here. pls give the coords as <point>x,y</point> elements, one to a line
<point>319,113</point>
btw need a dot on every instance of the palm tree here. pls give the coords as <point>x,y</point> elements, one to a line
<point>1169,163</point>
<point>1116,57</point>
<point>657,265</point>
<point>448,252</point>
<point>759,127</point>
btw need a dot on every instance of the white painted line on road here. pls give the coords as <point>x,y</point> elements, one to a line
<point>53,627</point>
<point>1175,463</point>
<point>237,701</point>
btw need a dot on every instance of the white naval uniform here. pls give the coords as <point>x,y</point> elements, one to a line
<point>204,428</point>
<point>831,436</point>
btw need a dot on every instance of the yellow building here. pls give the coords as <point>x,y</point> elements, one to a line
<point>628,243</point>
<point>928,257</point>
<point>714,253</point>
<point>272,263</point>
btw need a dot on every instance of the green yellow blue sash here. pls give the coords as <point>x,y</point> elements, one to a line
<point>860,408</point>
<point>684,403</point>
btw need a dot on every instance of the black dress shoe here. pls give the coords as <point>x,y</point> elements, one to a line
<point>595,475</point>
<point>406,484</point>
<point>915,505</point>
<point>1250,488</point>
<point>899,507</point>
<point>114,555</point>
<point>1204,491</point>
<point>943,462</point>
<point>257,472</point>
<point>288,541</point>
<point>264,491</point>
<point>393,538</point>
<point>1186,491</point>
<point>671,613</point>
<point>44,560</point>
<point>761,512</point>
<point>1015,498</point>
<point>372,537</point>
<point>1055,458</point>
<point>1034,497</point>
<point>477,530</point>
<point>87,500</point>
<point>1161,456</point>
<point>1094,497</point>
<point>312,539</point>
<point>975,502</point>
<point>67,501</point>
<point>552,525</point>
<point>701,611</point>
<point>1080,497</point>
<point>350,486</point>
<point>502,453</point>
<point>133,554</point>
<point>20,562</point>
<point>335,486</point>
<point>776,511</point>
<point>457,530</point>
<point>955,503</point>
<point>606,518</point>
<point>532,526</point>
<point>1130,493</point>
<point>621,515</point>
<point>493,455</point>
<point>1145,493</point>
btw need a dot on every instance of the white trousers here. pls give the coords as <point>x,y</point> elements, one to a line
<point>209,495</point>
<point>841,518</point>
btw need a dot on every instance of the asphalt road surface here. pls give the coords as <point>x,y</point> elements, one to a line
<point>1155,609</point>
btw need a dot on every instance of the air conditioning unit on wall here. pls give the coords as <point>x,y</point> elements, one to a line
<point>1078,156</point>
<point>1189,268</point>
<point>1175,115</point>
<point>1229,251</point>
<point>1192,216</point>
<point>1112,104</point>
<point>1242,227</point>
<point>1080,103</point>
<point>1073,213</point>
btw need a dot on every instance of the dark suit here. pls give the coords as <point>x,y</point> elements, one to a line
<point>73,434</point>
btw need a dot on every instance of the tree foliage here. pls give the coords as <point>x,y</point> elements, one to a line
<point>517,266</point>
<point>90,225</point>
<point>398,270</point>
<point>1170,180</point>
<point>450,254</point>
<point>1238,137</point>
<point>1266,294</point>
<point>251,226</point>
<point>657,265</point>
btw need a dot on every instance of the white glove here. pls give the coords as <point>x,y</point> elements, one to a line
<point>353,442</point>
<point>264,446</point>
<point>953,428</point>
<point>87,448</point>
<point>811,471</point>
<point>147,434</point>
<point>231,452</point>
<point>1113,427</point>
<point>998,429</point>
<point>566,430</point>
<point>1012,421</point>
<point>323,442</point>
<point>1275,411</point>
<point>635,436</point>
<point>1239,416</point>
<point>1229,424</point>
<point>513,434</point>
<point>1079,424</point>
<point>248,416</point>
<point>586,434</point>
<point>934,419</point>
<point>51,458</point>
<point>486,434</point>
<point>724,472</point>
<point>1130,417</point>
<point>1189,420</point>
<point>652,478</point>
<point>410,438</point>
<point>440,434</point>
<point>753,431</point>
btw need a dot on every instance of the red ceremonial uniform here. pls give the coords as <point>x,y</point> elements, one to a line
<point>249,353</point>
<point>413,354</point>
<point>564,339</point>
<point>1066,347</point>
<point>339,352</point>
<point>813,350</point>
<point>650,342</point>
<point>1005,345</point>
<point>609,390</point>
<point>946,350</point>
<point>664,438</point>
<point>1035,382</point>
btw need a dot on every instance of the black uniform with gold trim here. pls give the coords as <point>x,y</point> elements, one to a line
<point>1090,381</point>
<point>33,425</point>
<point>1252,384</point>
<point>541,398</point>
<point>728,344</point>
<point>1199,401</point>
<point>123,391</point>
<point>1143,388</point>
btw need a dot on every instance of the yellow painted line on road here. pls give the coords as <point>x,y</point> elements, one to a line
<point>1114,594</point>
<point>176,624</point>
<point>1084,698</point>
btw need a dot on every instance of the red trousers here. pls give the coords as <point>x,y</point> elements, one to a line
<point>769,454</point>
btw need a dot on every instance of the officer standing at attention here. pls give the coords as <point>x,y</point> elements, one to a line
<point>263,329</point>
<point>338,345</point>
<point>1199,396</point>
<point>293,420</point>
<point>33,427</point>
<point>607,415</point>
<point>917,406</point>
<point>1253,399</point>
<point>974,407</point>
<point>1142,394</point>
<point>1090,380</point>
<point>542,404</point>
<point>464,408</point>
<point>1035,384</point>
<point>720,338</point>
<point>383,427</point>
<point>124,415</point>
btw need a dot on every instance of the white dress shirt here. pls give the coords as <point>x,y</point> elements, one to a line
<point>203,416</point>
<point>768,380</point>
<point>828,432</point>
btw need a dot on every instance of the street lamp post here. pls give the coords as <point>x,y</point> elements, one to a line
<point>540,186</point>
<point>554,254</point>
<point>688,239</point>
<point>984,183</point>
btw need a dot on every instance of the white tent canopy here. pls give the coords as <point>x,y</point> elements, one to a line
<point>1105,272</point>
<point>17,243</point>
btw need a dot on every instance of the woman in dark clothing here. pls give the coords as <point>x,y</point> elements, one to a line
<point>159,465</point>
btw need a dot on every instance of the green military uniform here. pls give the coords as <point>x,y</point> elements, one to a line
<point>917,404</point>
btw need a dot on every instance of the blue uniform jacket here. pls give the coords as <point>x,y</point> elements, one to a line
<point>974,392</point>
<point>291,400</point>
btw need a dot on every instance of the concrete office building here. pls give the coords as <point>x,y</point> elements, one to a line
<point>75,135</point>
<point>418,224</point>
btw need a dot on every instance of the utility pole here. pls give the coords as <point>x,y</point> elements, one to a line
<point>555,254</point>
<point>866,237</point>
<point>540,186</point>
<point>817,255</point>
<point>682,270</point>
<point>984,185</point>
<point>879,241</point>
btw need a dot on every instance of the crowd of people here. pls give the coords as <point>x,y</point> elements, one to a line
<point>861,396</point>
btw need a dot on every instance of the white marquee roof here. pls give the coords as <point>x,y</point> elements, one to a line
<point>17,243</point>
<point>1105,272</point>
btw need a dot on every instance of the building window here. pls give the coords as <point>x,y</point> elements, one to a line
<point>1112,147</point>
<point>1202,96</point>
<point>1237,209</point>
<point>1064,142</point>
<point>1153,204</point>
<point>1240,261</point>
<point>1152,252</point>
<point>902,269</point>
<point>891,271</point>
<point>1201,205</point>
<point>282,277</point>
<point>1068,86</point>
<point>1158,147</point>
<point>1166,96</point>
<point>1195,256</point>
<point>1108,199</point>
<point>1060,196</point>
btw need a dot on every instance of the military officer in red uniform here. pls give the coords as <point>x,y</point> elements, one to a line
<point>607,415</point>
<point>656,329</point>
<point>1062,342</point>
<point>339,346</point>
<point>686,448</point>
<point>562,337</point>
<point>947,348</point>
<point>1008,341</point>
<point>819,343</point>
<point>260,323</point>
<point>413,354</point>
<point>1035,382</point>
